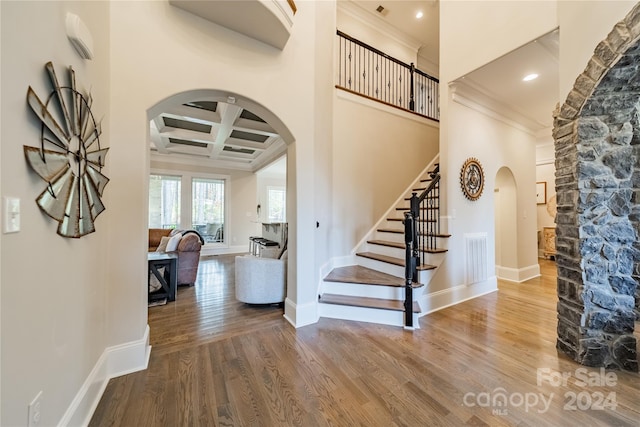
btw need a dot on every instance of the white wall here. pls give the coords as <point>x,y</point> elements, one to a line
<point>204,55</point>
<point>377,153</point>
<point>495,28</point>
<point>496,145</point>
<point>584,24</point>
<point>54,289</point>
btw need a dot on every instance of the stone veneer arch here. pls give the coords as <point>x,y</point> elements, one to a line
<point>597,145</point>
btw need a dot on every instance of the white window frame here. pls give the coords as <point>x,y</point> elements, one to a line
<point>186,180</point>
<point>280,188</point>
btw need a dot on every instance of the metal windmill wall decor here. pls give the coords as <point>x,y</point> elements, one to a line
<point>69,158</point>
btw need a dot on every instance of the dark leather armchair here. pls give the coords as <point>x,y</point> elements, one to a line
<point>189,257</point>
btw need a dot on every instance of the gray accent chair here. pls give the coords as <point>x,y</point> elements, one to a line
<point>261,280</point>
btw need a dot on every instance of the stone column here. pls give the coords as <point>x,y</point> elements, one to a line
<point>597,137</point>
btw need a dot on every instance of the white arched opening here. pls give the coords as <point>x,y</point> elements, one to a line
<point>264,113</point>
<point>506,225</point>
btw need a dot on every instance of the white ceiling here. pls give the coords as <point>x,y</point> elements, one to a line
<point>401,14</point>
<point>501,81</point>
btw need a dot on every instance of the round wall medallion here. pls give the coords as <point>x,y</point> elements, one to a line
<point>472,179</point>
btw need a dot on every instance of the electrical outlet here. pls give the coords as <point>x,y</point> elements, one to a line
<point>35,408</point>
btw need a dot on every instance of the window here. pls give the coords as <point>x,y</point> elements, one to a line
<point>207,207</point>
<point>189,202</point>
<point>164,201</point>
<point>276,204</point>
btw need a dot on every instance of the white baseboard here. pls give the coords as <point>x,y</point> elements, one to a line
<point>430,302</point>
<point>518,275</point>
<point>300,315</point>
<point>115,361</point>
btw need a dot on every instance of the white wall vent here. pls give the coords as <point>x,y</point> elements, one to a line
<point>79,35</point>
<point>476,257</point>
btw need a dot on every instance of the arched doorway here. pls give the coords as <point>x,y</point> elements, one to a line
<point>597,137</point>
<point>214,130</point>
<point>506,225</point>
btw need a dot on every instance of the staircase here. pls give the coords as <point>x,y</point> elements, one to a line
<point>373,288</point>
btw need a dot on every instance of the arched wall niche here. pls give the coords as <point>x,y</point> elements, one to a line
<point>597,145</point>
<point>506,227</point>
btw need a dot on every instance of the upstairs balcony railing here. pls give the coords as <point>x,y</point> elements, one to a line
<point>366,71</point>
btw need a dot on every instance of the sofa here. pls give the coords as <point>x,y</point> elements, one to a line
<point>261,280</point>
<point>189,244</point>
<point>156,235</point>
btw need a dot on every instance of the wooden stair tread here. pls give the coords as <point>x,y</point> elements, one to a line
<point>403,246</point>
<point>392,260</point>
<point>367,276</point>
<point>384,304</point>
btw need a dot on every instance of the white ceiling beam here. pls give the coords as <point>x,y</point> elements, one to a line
<point>156,137</point>
<point>229,114</point>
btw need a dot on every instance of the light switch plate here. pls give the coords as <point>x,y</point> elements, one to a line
<point>11,223</point>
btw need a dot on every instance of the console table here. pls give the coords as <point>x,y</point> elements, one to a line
<point>169,261</point>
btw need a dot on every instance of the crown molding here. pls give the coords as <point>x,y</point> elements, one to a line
<point>472,97</point>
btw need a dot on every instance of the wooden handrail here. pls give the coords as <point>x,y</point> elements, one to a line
<point>381,53</point>
<point>292,5</point>
<point>366,71</point>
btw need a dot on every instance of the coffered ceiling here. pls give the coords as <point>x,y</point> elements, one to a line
<point>220,134</point>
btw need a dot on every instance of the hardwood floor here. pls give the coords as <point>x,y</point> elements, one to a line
<point>217,362</point>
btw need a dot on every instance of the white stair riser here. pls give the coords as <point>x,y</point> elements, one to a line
<point>441,242</point>
<point>424,277</point>
<point>431,259</point>
<point>384,267</point>
<point>386,250</point>
<point>363,314</point>
<point>389,237</point>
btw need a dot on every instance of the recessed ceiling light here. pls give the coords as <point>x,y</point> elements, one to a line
<point>419,14</point>
<point>530,77</point>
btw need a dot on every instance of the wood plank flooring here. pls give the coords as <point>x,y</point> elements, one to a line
<point>217,362</point>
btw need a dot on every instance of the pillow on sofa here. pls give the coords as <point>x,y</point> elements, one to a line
<point>172,244</point>
<point>162,247</point>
